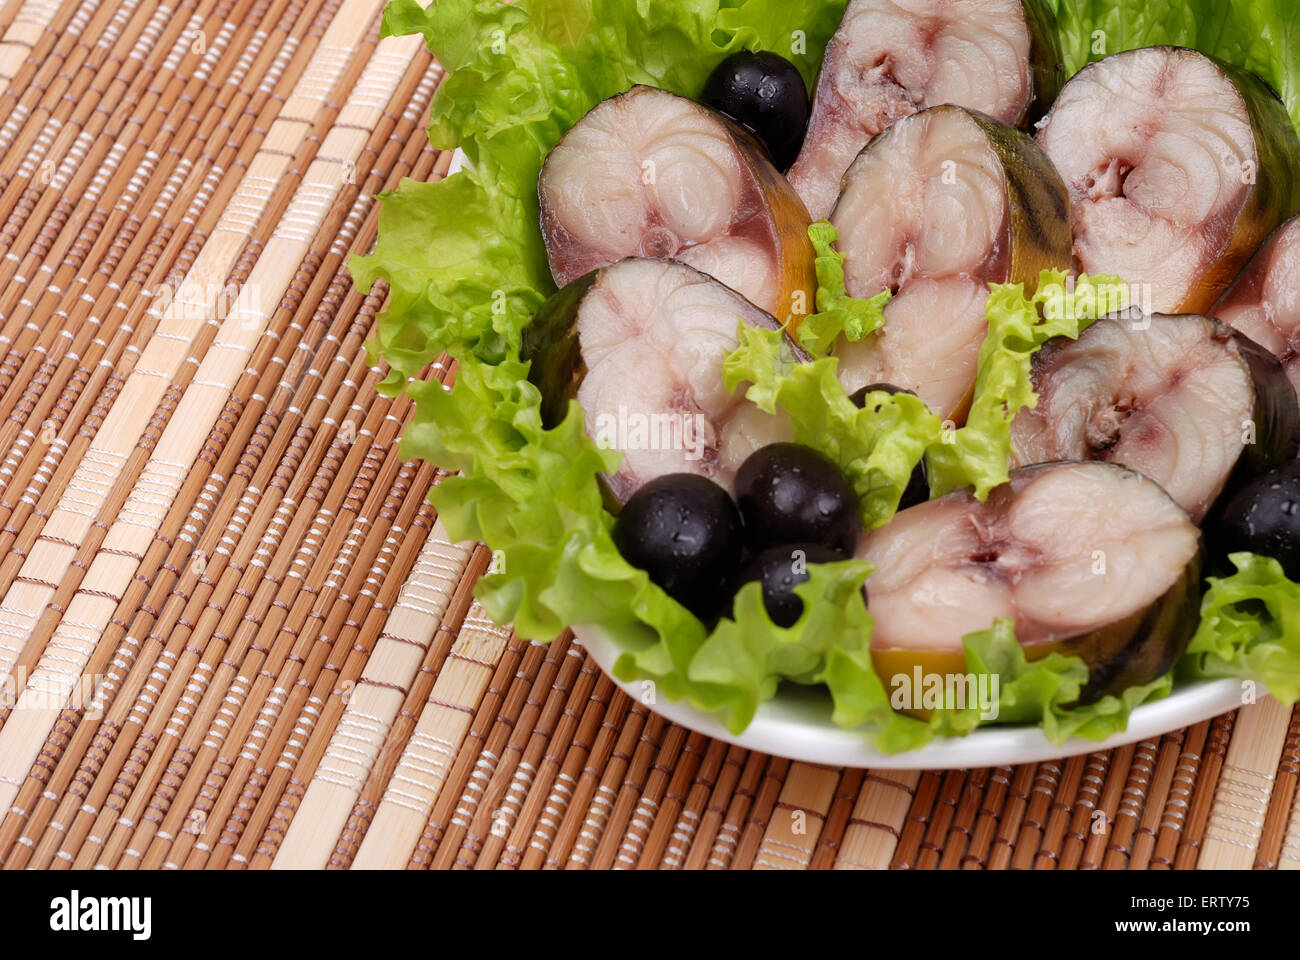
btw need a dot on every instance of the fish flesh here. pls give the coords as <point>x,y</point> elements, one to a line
<point>938,206</point>
<point>890,58</point>
<point>1264,302</point>
<point>1085,559</point>
<point>650,174</point>
<point>640,345</point>
<point>1185,400</point>
<point>1178,167</point>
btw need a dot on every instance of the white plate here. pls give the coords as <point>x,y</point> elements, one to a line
<point>796,723</point>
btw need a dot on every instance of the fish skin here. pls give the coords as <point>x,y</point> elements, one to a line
<point>1038,205</point>
<point>1276,194</point>
<point>1046,61</point>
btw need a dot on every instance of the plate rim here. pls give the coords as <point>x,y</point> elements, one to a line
<point>774,731</point>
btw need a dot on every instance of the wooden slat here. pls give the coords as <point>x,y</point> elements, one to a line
<point>419,776</point>
<point>1245,786</point>
<point>797,821</point>
<point>874,829</point>
<point>373,707</point>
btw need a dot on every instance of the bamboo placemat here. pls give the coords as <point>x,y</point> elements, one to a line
<point>233,632</point>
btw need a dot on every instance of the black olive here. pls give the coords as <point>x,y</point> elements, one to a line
<point>780,570</point>
<point>789,493</point>
<point>918,485</point>
<point>764,93</point>
<point>1264,517</point>
<point>685,532</point>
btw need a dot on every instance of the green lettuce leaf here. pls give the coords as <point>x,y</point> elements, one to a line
<point>876,446</point>
<point>1041,691</point>
<point>1250,628</point>
<point>978,454</point>
<point>837,312</point>
<point>748,656</point>
<point>797,31</point>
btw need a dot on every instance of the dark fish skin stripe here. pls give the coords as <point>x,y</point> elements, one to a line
<point>1156,640</point>
<point>1038,203</point>
<point>1046,60</point>
<point>550,345</point>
